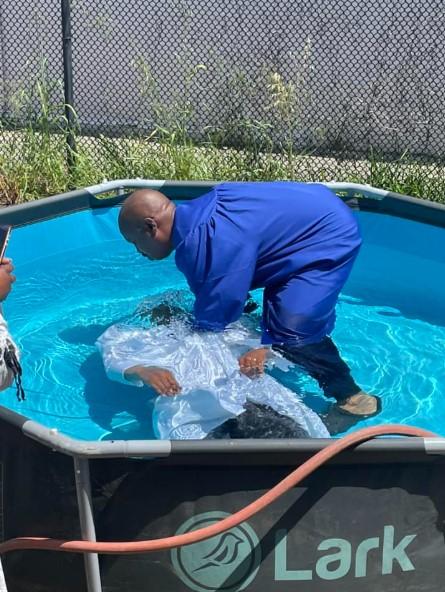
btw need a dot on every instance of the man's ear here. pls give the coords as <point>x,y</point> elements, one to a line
<point>150,226</point>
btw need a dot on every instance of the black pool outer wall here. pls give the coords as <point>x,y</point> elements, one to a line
<point>135,500</point>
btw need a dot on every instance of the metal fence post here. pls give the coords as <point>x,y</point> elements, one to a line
<point>68,84</point>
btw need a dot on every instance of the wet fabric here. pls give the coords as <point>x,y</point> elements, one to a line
<point>296,240</point>
<point>323,362</point>
<point>205,364</point>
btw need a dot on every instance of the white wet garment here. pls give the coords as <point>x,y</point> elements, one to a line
<point>206,366</point>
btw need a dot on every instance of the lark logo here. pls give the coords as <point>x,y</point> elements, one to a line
<point>228,562</point>
<point>342,560</point>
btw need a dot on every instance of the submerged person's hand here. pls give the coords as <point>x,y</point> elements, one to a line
<point>160,379</point>
<point>6,278</point>
<point>252,363</point>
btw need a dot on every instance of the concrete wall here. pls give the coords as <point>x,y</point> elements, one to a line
<point>365,72</point>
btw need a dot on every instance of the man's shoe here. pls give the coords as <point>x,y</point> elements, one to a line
<point>360,405</point>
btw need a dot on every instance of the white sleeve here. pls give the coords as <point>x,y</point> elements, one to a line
<point>122,347</point>
<point>6,374</point>
<point>115,347</point>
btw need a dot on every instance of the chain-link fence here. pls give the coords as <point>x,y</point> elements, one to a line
<point>336,80</point>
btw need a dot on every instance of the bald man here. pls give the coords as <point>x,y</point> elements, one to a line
<point>297,241</point>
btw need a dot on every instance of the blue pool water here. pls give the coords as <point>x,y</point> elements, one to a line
<point>76,276</point>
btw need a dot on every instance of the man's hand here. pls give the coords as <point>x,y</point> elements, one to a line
<point>252,363</point>
<point>161,380</point>
<point>6,278</point>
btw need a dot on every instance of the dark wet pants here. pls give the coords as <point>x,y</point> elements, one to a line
<point>323,362</point>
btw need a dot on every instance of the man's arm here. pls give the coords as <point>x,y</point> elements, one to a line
<point>221,301</point>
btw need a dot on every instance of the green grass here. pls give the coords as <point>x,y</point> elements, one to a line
<point>33,159</point>
<point>33,165</point>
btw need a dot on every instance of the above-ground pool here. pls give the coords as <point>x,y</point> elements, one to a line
<point>77,458</point>
<point>76,276</point>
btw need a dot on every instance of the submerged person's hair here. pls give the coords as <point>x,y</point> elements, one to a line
<point>163,314</point>
<point>258,421</point>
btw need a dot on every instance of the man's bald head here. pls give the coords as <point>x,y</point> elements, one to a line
<point>146,220</point>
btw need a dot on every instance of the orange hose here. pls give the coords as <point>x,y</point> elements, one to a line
<point>242,515</point>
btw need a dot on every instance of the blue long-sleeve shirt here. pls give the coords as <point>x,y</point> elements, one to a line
<point>242,236</point>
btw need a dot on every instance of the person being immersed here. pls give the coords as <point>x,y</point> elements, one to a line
<point>297,241</point>
<point>217,400</point>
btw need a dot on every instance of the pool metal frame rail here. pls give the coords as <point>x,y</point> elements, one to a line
<point>277,452</point>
